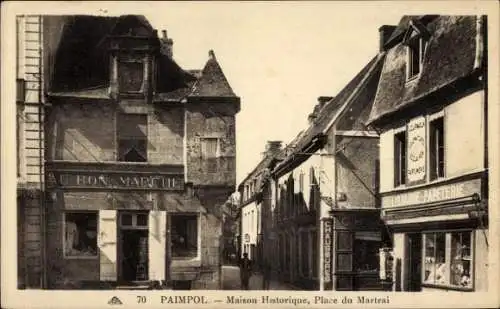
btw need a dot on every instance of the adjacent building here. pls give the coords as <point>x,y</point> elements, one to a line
<point>328,225</point>
<point>313,211</point>
<point>30,115</point>
<point>255,206</point>
<point>431,112</point>
<point>138,158</point>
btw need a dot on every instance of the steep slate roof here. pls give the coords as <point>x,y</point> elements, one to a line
<point>266,162</point>
<point>449,56</point>
<point>212,82</point>
<point>80,67</point>
<point>368,75</point>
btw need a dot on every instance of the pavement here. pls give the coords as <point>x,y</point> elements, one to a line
<point>231,280</point>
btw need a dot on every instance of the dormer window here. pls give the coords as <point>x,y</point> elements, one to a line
<point>131,76</point>
<point>414,58</point>
<point>416,43</point>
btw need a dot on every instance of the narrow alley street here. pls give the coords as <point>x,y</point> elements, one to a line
<point>231,280</point>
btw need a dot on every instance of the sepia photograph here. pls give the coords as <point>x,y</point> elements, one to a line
<point>322,148</point>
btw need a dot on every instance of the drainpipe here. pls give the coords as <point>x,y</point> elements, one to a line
<point>43,209</point>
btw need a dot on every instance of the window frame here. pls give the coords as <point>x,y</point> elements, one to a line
<point>399,161</point>
<point>203,154</point>
<point>118,139</point>
<point>134,225</point>
<point>410,55</point>
<point>434,173</point>
<point>448,239</point>
<point>144,72</point>
<point>79,257</point>
<point>198,236</point>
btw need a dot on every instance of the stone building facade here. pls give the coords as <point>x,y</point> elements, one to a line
<point>431,110</point>
<point>255,216</point>
<point>30,150</point>
<point>325,192</point>
<point>139,158</point>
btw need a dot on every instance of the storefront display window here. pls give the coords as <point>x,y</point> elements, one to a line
<point>80,234</point>
<point>448,259</point>
<point>461,259</point>
<point>366,251</point>
<point>184,236</point>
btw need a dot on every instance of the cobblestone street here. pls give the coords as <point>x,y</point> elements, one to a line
<point>231,280</point>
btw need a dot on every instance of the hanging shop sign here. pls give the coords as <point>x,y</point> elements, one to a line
<point>327,250</point>
<point>112,180</point>
<point>416,150</point>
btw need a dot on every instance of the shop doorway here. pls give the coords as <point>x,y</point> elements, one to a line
<point>133,247</point>
<point>414,262</point>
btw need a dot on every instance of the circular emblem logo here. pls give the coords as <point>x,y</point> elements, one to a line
<point>416,148</point>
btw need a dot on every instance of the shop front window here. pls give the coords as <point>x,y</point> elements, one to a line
<point>184,236</point>
<point>366,250</point>
<point>80,234</point>
<point>461,259</point>
<point>448,259</point>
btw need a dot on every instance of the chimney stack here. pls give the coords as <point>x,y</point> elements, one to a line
<point>166,44</point>
<point>385,33</point>
<point>312,116</point>
<point>272,147</point>
<point>323,100</point>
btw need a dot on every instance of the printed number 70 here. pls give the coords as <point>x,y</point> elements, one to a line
<point>141,299</point>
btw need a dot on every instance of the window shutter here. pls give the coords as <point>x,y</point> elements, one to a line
<point>107,245</point>
<point>157,244</point>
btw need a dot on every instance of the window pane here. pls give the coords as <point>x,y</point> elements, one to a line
<point>132,126</point>
<point>414,63</point>
<point>437,148</point>
<point>366,249</point>
<point>399,158</point>
<point>184,235</point>
<point>209,147</point>
<point>126,219</point>
<point>80,238</point>
<point>436,266</point>
<point>132,137</point>
<point>130,75</point>
<point>344,240</point>
<point>461,259</point>
<point>142,219</point>
<point>132,150</point>
<point>344,261</point>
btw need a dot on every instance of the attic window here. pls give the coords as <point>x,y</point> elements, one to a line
<point>416,43</point>
<point>416,50</point>
<point>131,76</point>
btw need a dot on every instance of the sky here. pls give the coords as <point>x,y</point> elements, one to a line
<point>278,57</point>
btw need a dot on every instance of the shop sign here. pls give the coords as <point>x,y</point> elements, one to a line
<point>416,150</point>
<point>65,179</point>
<point>327,250</point>
<point>433,194</point>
